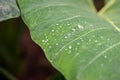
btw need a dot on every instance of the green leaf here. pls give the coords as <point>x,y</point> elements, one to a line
<point>8,9</point>
<point>81,43</point>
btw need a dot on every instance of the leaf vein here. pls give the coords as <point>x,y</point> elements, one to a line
<point>99,55</point>
<point>37,8</point>
<point>75,40</point>
<point>107,6</point>
<point>112,23</point>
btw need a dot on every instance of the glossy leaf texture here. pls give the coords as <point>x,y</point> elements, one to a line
<point>81,43</point>
<point>8,9</point>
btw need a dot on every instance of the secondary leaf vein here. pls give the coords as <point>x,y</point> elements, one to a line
<point>100,54</point>
<point>75,40</point>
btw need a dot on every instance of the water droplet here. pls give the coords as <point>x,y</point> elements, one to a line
<point>46,40</point>
<point>57,31</point>
<point>60,26</point>
<point>87,43</point>
<point>82,40</point>
<point>80,26</point>
<point>69,51</point>
<point>50,46</point>
<point>101,37</point>
<point>70,47</point>
<point>68,24</point>
<point>43,40</point>
<point>75,48</point>
<point>66,37</point>
<point>53,30</point>
<point>96,41</point>
<point>57,24</point>
<point>73,29</point>
<point>91,25</point>
<point>78,43</point>
<point>65,49</point>
<point>105,56</point>
<point>68,34</point>
<point>89,40</point>
<point>108,39</point>
<point>56,43</point>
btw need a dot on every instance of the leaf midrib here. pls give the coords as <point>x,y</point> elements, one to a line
<point>101,13</point>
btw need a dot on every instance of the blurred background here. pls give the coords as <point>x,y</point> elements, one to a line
<point>20,57</point>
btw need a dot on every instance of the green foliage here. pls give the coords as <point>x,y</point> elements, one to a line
<point>81,43</point>
<point>8,9</point>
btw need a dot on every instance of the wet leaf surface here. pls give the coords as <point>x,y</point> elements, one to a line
<point>81,43</point>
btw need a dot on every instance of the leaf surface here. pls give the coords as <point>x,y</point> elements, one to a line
<point>81,43</point>
<point>8,9</point>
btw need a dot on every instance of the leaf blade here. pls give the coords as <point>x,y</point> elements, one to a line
<point>8,9</point>
<point>73,37</point>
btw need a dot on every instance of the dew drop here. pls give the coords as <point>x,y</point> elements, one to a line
<point>105,56</point>
<point>53,30</point>
<point>80,27</point>
<point>50,46</point>
<point>101,37</point>
<point>43,41</point>
<point>69,52</point>
<point>57,31</point>
<point>65,49</point>
<point>75,48</point>
<point>69,34</point>
<point>91,25</point>
<point>66,37</point>
<point>73,29</point>
<point>78,43</point>
<point>56,43</point>
<point>60,26</point>
<point>89,40</point>
<point>108,39</point>
<point>68,24</point>
<point>70,47</point>
<point>96,41</point>
<point>87,43</point>
<point>82,40</point>
<point>57,24</point>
